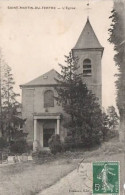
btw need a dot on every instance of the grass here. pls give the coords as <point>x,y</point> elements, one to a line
<point>31,178</point>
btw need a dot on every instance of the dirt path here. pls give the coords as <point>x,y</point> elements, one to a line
<point>79,181</point>
<point>72,184</point>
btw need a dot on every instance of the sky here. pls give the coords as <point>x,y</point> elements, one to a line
<point>34,41</point>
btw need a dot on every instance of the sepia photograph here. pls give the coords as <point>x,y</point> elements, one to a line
<point>62,97</point>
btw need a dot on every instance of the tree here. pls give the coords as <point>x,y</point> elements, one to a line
<point>113,117</point>
<point>105,126</point>
<point>8,101</point>
<point>117,37</point>
<point>85,122</point>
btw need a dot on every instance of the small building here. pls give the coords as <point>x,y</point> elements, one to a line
<point>44,116</point>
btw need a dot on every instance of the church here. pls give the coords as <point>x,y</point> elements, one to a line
<point>44,117</point>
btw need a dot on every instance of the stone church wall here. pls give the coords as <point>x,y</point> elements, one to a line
<point>33,102</point>
<point>94,82</point>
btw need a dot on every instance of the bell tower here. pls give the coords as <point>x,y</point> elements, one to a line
<point>89,52</point>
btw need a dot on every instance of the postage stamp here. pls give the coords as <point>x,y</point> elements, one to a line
<point>106,178</point>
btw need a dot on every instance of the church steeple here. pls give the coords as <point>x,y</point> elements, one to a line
<point>88,38</point>
<point>89,52</point>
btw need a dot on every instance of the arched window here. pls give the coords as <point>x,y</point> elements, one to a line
<point>87,69</point>
<point>48,99</point>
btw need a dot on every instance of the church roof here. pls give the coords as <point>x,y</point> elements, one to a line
<point>88,38</point>
<point>46,79</point>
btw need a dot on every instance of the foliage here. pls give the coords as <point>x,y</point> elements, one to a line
<point>9,103</point>
<point>3,143</point>
<point>10,122</point>
<point>18,144</point>
<point>110,122</point>
<point>117,37</point>
<point>85,122</point>
<point>112,133</point>
<point>113,117</point>
<point>55,144</point>
<point>105,128</point>
<point>69,143</point>
<point>42,156</point>
<point>18,147</point>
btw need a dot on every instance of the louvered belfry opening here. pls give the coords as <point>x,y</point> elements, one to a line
<point>87,68</point>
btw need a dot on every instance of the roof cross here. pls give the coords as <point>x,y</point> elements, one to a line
<point>88,8</point>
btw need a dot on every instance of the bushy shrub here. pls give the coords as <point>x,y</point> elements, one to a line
<point>91,139</point>
<point>112,134</point>
<point>42,156</point>
<point>3,143</point>
<point>19,147</point>
<point>4,156</point>
<point>55,144</point>
<point>69,143</point>
<point>85,137</point>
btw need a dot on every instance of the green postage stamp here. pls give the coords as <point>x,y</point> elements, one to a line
<point>106,178</point>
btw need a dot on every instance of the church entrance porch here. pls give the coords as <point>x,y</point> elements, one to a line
<point>45,125</point>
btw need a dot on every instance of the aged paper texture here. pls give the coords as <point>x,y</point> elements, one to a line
<point>35,37</point>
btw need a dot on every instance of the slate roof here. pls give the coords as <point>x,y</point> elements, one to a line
<point>46,79</point>
<point>88,38</point>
